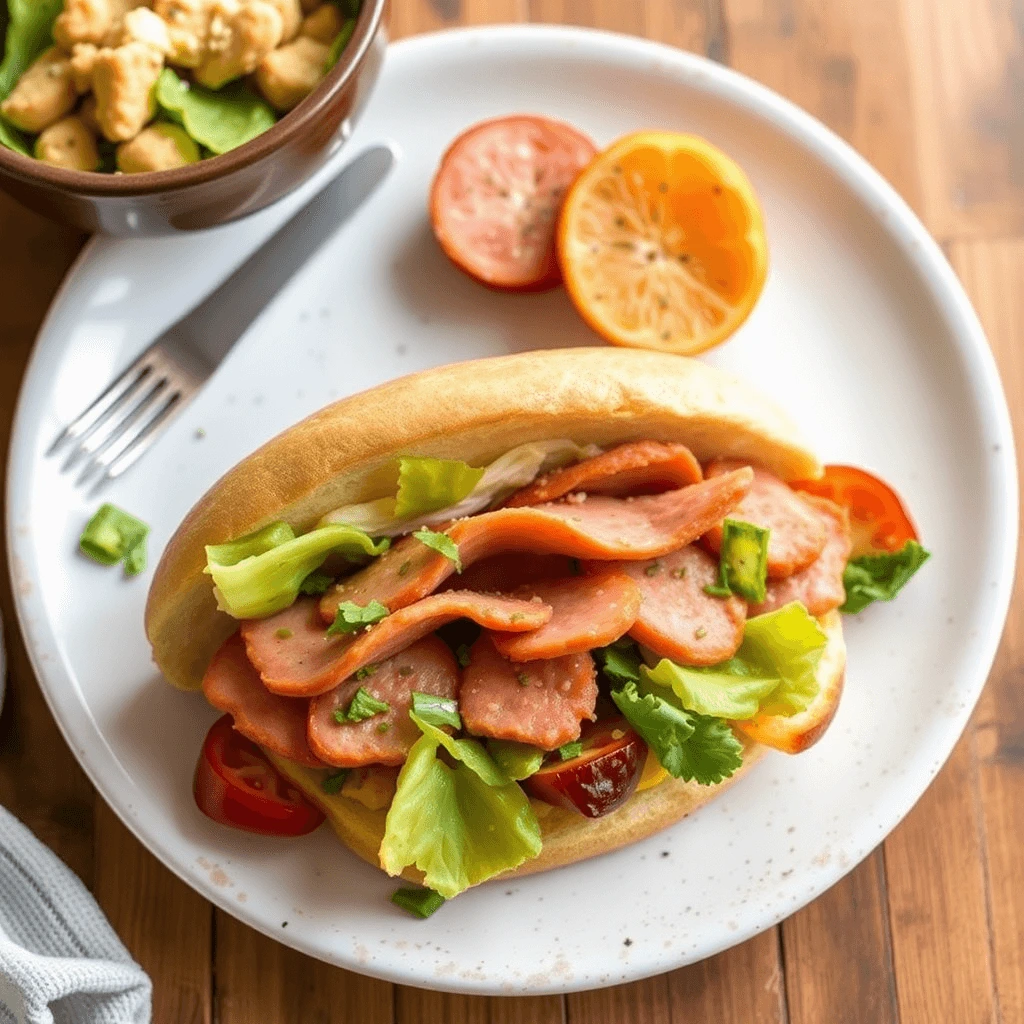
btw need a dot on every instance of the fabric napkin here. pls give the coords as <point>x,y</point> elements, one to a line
<point>60,961</point>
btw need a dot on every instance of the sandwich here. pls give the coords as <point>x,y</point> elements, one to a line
<point>504,615</point>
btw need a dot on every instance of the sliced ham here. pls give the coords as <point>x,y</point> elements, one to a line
<point>505,573</point>
<point>536,702</point>
<point>677,619</point>
<point>820,586</point>
<point>598,528</point>
<point>588,611</point>
<point>427,667</point>
<point>231,684</point>
<point>640,467</point>
<point>296,658</point>
<point>797,532</point>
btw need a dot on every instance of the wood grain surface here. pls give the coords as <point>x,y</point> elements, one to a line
<point>930,928</point>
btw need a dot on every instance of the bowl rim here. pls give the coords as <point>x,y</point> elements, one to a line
<point>290,125</point>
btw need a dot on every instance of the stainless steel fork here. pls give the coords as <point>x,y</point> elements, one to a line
<point>120,426</point>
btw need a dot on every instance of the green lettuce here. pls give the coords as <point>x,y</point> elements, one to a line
<point>261,573</point>
<point>773,672</point>
<point>880,577</point>
<point>516,760</point>
<point>28,29</point>
<point>219,120</point>
<point>515,469</point>
<point>692,747</point>
<point>459,824</point>
<point>427,485</point>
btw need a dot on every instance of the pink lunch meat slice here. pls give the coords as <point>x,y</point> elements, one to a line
<point>600,528</point>
<point>639,467</point>
<point>819,587</point>
<point>536,702</point>
<point>588,611</point>
<point>797,532</point>
<point>231,684</point>
<point>296,658</point>
<point>428,666</point>
<point>677,619</point>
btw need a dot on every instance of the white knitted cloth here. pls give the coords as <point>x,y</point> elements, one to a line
<point>60,961</point>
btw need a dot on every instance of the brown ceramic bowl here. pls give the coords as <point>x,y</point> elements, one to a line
<point>222,188</point>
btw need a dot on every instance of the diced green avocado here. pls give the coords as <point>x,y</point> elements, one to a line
<point>743,561</point>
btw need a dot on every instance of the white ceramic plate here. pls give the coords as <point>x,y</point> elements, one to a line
<point>863,333</point>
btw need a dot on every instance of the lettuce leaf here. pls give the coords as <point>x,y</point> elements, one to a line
<point>505,475</point>
<point>516,760</point>
<point>880,577</point>
<point>692,747</point>
<point>773,672</point>
<point>256,577</point>
<point>459,825</point>
<point>426,485</point>
<point>29,32</point>
<point>219,120</point>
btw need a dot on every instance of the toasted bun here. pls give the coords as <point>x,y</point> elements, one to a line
<point>474,411</point>
<point>569,837</point>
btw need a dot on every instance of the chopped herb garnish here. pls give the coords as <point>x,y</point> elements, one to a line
<point>283,633</point>
<point>567,751</point>
<point>653,569</point>
<point>524,679</point>
<point>516,617</point>
<point>436,710</point>
<point>316,583</point>
<point>405,670</point>
<point>366,670</point>
<point>364,705</point>
<point>383,727</point>
<point>332,783</point>
<point>700,632</point>
<point>419,902</point>
<point>351,617</point>
<point>405,567</point>
<point>680,573</point>
<point>442,544</point>
<point>462,655</point>
<point>112,535</point>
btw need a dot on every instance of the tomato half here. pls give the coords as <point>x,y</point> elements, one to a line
<point>235,784</point>
<point>602,778</point>
<point>879,522</point>
<point>497,194</point>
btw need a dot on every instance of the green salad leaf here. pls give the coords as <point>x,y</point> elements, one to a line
<point>427,485</point>
<point>14,139</point>
<point>112,536</point>
<point>219,120</point>
<point>339,43</point>
<point>620,661</point>
<point>418,902</point>
<point>267,579</point>
<point>773,672</point>
<point>692,747</point>
<point>880,577</point>
<point>515,469</point>
<point>436,710</point>
<point>516,760</point>
<point>29,32</point>
<point>316,583</point>
<point>351,617</point>
<point>442,544</point>
<point>459,824</point>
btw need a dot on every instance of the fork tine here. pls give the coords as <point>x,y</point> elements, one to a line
<point>126,427</point>
<point>132,443</point>
<point>118,392</point>
<point>113,421</point>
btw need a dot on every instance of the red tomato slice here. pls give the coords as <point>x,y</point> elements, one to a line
<point>235,784</point>
<point>496,198</point>
<point>878,520</point>
<point>602,778</point>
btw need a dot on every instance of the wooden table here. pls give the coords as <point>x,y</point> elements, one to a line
<point>930,928</point>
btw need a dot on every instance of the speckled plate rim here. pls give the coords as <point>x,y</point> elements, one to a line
<point>917,248</point>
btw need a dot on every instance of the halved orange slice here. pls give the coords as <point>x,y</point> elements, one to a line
<point>661,243</point>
